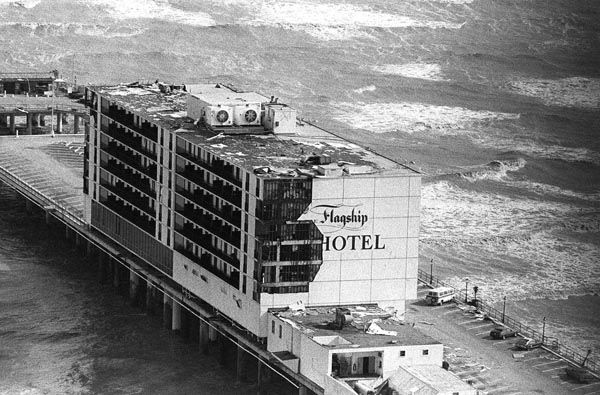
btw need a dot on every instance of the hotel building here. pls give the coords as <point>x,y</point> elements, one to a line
<point>245,206</point>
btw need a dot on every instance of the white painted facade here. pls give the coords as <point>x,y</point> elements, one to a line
<point>316,359</point>
<point>371,261</point>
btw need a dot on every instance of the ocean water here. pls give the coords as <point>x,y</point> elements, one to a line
<point>496,102</point>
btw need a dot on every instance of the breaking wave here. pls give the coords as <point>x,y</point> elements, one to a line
<point>330,21</point>
<point>67,29</point>
<point>424,71</point>
<point>567,92</point>
<point>517,246</point>
<point>495,170</point>
<point>149,9</point>
<point>369,88</point>
<point>538,149</point>
<point>22,3</point>
<point>413,117</point>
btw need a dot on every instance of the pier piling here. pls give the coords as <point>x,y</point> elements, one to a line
<point>176,317</point>
<point>203,337</point>
<point>134,284</point>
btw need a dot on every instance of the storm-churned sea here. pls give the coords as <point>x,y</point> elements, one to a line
<point>497,102</point>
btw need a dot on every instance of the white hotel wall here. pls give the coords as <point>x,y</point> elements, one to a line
<point>230,301</point>
<point>385,276</point>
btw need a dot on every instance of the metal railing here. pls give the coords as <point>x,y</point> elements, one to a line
<point>549,342</point>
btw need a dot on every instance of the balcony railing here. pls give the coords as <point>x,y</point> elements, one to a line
<point>205,201</point>
<point>205,241</point>
<point>224,171</point>
<point>218,188</point>
<point>125,174</point>
<point>129,159</point>
<point>129,140</point>
<point>224,232</point>
<point>126,119</point>
<point>134,198</point>
<point>131,215</point>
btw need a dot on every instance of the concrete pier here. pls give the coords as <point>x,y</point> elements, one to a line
<point>203,338</point>
<point>116,275</point>
<point>240,364</point>
<point>176,317</point>
<point>134,284</point>
<point>166,311</point>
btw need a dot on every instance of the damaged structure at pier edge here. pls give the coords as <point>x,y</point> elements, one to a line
<point>265,218</point>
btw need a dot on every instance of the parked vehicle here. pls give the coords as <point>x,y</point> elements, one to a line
<point>438,296</point>
<point>502,332</point>
<point>528,344</point>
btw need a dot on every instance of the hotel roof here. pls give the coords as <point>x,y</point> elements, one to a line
<point>269,155</point>
<point>369,326</point>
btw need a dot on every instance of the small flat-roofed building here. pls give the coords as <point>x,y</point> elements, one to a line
<point>350,344</point>
<point>249,209</point>
<point>428,380</point>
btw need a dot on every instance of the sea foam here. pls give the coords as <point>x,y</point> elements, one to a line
<point>148,9</point>
<point>330,21</point>
<point>413,117</point>
<point>424,71</point>
<point>515,245</point>
<point>567,92</point>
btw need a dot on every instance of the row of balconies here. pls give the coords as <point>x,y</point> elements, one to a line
<point>135,198</point>
<point>129,158</point>
<point>217,167</point>
<point>215,226</point>
<point>125,118</point>
<point>126,174</point>
<point>129,139</point>
<point>205,200</point>
<point>218,187</point>
<point>205,240</point>
<point>132,215</point>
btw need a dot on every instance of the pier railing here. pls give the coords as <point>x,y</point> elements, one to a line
<point>551,343</point>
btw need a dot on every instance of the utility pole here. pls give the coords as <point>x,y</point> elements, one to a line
<point>431,272</point>
<point>543,330</point>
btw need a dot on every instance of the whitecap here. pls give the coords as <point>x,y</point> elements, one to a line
<point>495,170</point>
<point>149,9</point>
<point>330,21</point>
<point>537,149</point>
<point>21,3</point>
<point>413,117</point>
<point>369,88</point>
<point>424,71</point>
<point>513,245</point>
<point>568,92</point>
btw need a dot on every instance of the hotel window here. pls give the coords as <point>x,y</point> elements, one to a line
<point>425,352</point>
<point>402,353</point>
<point>273,327</point>
<point>280,330</point>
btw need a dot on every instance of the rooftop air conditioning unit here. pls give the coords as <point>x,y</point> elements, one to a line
<point>247,114</point>
<point>218,116</point>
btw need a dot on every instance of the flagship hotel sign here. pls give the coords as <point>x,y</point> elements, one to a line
<point>342,219</point>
